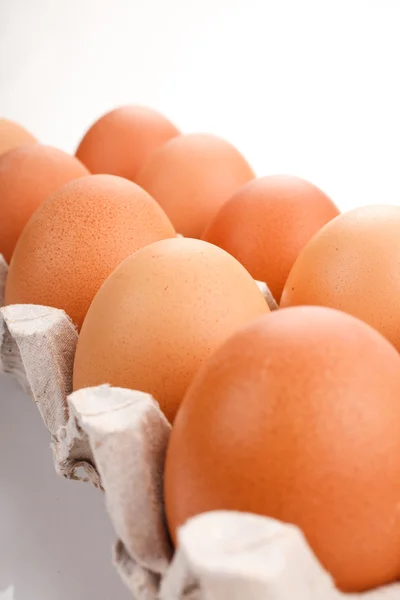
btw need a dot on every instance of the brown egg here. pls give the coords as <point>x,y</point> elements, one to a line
<point>13,135</point>
<point>160,315</point>
<point>353,264</point>
<point>297,417</point>
<point>266,224</point>
<point>123,140</point>
<point>28,175</point>
<point>191,177</point>
<point>77,238</point>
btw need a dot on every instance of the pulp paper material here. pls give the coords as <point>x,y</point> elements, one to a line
<point>46,341</point>
<point>248,557</point>
<point>143,584</point>
<point>237,555</point>
<point>118,438</point>
<point>38,346</point>
<point>268,297</point>
<point>128,435</point>
<point>221,555</point>
<point>10,359</point>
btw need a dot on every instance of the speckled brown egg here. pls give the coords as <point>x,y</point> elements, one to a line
<point>77,238</point>
<point>297,417</point>
<point>161,313</point>
<point>13,135</point>
<point>267,223</point>
<point>123,140</point>
<point>28,176</point>
<point>353,264</point>
<point>192,176</point>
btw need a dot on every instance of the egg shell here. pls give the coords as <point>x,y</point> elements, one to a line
<point>192,176</point>
<point>122,141</point>
<point>160,315</point>
<point>297,417</point>
<point>13,135</point>
<point>267,223</point>
<point>353,264</point>
<point>28,176</point>
<point>77,238</point>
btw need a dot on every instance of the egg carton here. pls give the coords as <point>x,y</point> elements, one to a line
<point>116,439</point>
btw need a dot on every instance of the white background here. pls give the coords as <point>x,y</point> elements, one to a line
<point>307,88</point>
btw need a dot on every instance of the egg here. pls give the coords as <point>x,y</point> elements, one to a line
<point>77,238</point>
<point>297,417</point>
<point>13,135</point>
<point>267,223</point>
<point>353,264</point>
<point>160,314</point>
<point>28,175</point>
<point>191,177</point>
<point>121,141</point>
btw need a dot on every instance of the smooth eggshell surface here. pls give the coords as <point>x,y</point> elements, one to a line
<point>77,238</point>
<point>297,417</point>
<point>123,140</point>
<point>160,315</point>
<point>191,177</point>
<point>28,176</point>
<point>13,135</point>
<point>267,223</point>
<point>353,264</point>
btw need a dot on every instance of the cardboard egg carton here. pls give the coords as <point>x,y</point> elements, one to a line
<point>116,439</point>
